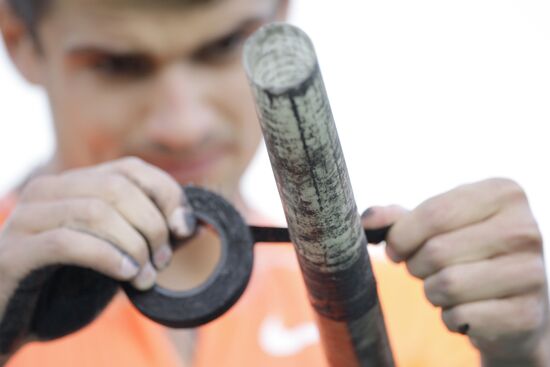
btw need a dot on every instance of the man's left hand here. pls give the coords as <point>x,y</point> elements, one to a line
<point>479,252</point>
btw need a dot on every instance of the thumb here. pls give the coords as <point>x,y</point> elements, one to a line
<point>383,216</point>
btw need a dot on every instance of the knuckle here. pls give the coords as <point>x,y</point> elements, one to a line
<point>452,318</point>
<point>137,250</point>
<point>431,294</point>
<point>104,259</point>
<point>443,289</point>
<point>35,186</point>
<point>141,253</point>
<point>170,197</point>
<point>116,186</point>
<point>395,247</point>
<point>171,191</point>
<point>154,228</point>
<point>531,237</point>
<point>415,268</point>
<point>508,188</point>
<point>159,235</point>
<point>96,211</point>
<point>17,220</point>
<point>531,314</point>
<point>56,242</point>
<point>436,213</point>
<point>434,254</point>
<point>526,236</point>
<point>61,248</point>
<point>429,259</point>
<point>538,270</point>
<point>132,161</point>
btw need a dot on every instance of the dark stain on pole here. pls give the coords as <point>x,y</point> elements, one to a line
<point>302,137</point>
<point>316,193</point>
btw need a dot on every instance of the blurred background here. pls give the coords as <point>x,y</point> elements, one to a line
<point>427,95</point>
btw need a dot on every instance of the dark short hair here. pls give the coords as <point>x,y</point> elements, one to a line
<point>30,11</point>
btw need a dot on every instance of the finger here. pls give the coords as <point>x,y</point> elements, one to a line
<point>465,205</point>
<point>507,232</point>
<point>162,189</point>
<point>70,247</point>
<point>123,195</point>
<point>379,217</point>
<point>504,276</point>
<point>493,320</point>
<point>91,216</point>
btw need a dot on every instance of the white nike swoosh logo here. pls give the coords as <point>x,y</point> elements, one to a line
<point>280,341</point>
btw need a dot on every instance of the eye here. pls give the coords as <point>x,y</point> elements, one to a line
<point>123,66</point>
<point>222,49</point>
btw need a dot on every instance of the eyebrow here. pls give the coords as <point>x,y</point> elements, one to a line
<point>250,23</point>
<point>166,3</point>
<point>117,50</point>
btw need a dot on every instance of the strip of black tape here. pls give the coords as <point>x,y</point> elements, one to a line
<point>281,235</point>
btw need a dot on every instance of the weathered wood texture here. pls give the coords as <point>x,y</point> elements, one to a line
<point>316,193</point>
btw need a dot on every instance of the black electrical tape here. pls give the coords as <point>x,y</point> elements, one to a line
<point>281,235</point>
<point>223,288</point>
<point>270,234</point>
<point>52,302</point>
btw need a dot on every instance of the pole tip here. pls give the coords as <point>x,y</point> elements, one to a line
<point>278,57</point>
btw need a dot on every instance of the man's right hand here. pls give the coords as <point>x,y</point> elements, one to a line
<point>115,219</point>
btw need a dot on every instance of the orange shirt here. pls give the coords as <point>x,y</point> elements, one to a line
<point>271,325</point>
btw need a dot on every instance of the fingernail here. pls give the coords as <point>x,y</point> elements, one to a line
<point>128,268</point>
<point>182,222</point>
<point>463,329</point>
<point>190,221</point>
<point>146,277</point>
<point>163,256</point>
<point>367,213</point>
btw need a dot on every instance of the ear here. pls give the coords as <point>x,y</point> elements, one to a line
<point>21,46</point>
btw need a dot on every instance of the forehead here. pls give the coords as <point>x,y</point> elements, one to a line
<point>151,24</point>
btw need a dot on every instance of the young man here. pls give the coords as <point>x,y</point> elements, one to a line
<point>162,82</point>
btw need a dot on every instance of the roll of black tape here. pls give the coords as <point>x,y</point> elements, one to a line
<point>185,309</point>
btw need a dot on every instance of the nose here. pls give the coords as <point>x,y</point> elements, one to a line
<point>179,116</point>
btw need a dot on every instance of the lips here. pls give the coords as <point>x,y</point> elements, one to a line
<point>194,168</point>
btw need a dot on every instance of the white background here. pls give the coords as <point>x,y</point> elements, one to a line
<point>427,95</point>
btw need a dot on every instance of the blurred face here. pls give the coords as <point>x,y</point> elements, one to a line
<point>160,82</point>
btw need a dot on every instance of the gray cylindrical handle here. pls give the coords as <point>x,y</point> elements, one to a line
<point>316,193</point>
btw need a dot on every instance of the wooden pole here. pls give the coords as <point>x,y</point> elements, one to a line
<point>317,197</point>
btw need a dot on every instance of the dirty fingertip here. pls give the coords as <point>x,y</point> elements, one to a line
<point>393,255</point>
<point>369,212</point>
<point>374,217</point>
<point>463,329</point>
